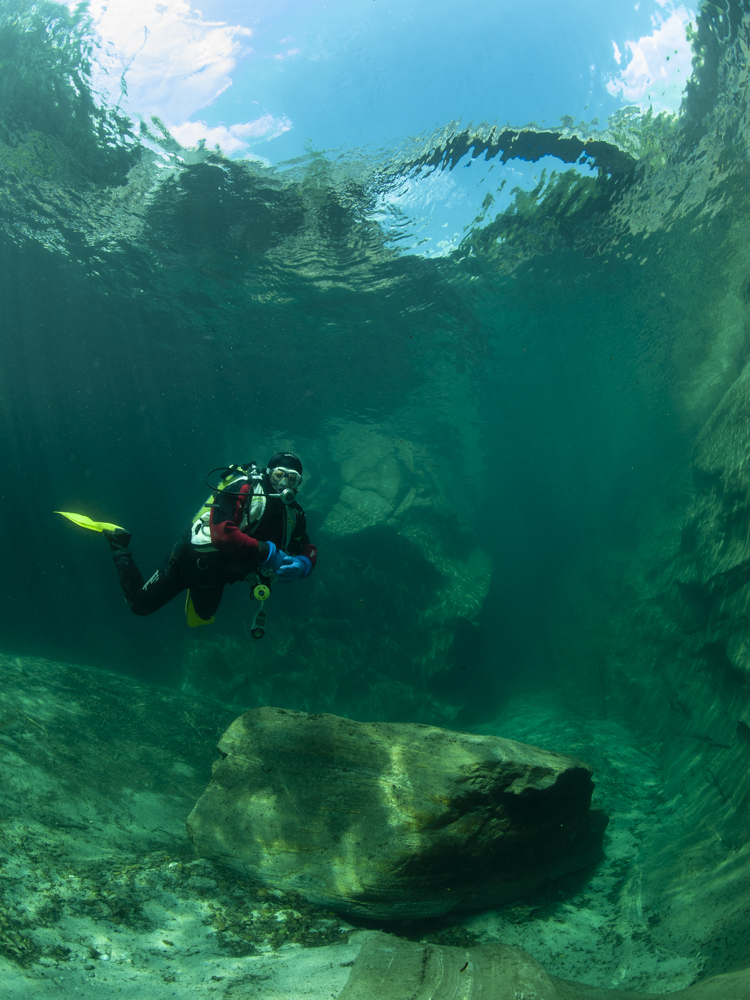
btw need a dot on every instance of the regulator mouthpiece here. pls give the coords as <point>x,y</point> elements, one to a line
<point>287,496</point>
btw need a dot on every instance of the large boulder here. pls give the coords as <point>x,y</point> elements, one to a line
<point>391,820</point>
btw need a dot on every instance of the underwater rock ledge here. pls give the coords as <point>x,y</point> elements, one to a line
<point>390,968</point>
<point>393,820</point>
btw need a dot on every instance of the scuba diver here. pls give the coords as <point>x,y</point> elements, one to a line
<point>250,528</point>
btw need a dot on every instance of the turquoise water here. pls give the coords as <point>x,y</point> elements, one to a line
<point>168,311</point>
<point>487,427</point>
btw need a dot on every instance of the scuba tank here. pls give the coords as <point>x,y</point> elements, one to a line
<point>200,531</point>
<point>255,506</point>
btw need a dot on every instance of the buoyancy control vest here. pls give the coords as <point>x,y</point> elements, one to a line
<point>255,507</point>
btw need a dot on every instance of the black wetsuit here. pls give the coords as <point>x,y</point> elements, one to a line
<point>205,573</point>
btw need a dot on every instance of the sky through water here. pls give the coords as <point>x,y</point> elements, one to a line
<point>275,79</point>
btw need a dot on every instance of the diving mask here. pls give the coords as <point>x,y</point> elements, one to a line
<point>286,482</point>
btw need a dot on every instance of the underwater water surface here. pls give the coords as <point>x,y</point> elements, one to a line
<point>524,451</point>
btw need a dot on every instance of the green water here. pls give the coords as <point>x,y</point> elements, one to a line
<point>506,415</point>
<point>166,312</point>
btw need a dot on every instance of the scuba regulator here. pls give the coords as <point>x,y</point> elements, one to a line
<point>261,592</point>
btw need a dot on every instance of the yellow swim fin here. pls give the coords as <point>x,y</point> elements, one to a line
<point>193,618</point>
<point>85,522</point>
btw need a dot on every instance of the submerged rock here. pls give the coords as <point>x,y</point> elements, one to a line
<point>390,968</point>
<point>389,820</point>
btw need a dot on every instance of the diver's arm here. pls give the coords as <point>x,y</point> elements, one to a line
<point>226,515</point>
<point>309,550</point>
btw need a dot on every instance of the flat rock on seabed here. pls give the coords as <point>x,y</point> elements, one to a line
<point>389,820</point>
<point>389,968</point>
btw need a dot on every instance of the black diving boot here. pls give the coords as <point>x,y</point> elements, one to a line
<point>119,540</point>
<point>130,576</point>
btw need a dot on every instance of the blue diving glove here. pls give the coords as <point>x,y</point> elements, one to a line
<point>294,568</point>
<point>276,557</point>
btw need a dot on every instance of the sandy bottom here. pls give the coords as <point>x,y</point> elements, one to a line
<point>101,893</point>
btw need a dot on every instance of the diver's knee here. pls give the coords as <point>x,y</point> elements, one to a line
<point>140,610</point>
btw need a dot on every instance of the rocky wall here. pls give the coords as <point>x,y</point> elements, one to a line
<point>666,647</point>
